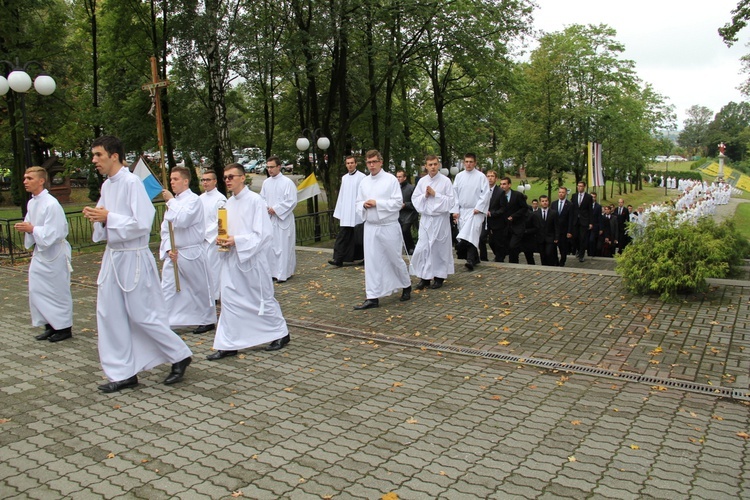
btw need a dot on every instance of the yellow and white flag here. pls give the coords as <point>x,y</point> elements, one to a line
<point>308,188</point>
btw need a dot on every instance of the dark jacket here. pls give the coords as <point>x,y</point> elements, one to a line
<point>515,208</point>
<point>408,213</point>
<point>582,215</point>
<point>564,219</point>
<point>547,231</point>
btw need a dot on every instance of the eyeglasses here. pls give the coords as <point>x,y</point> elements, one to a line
<point>208,180</point>
<point>230,177</point>
<point>373,162</point>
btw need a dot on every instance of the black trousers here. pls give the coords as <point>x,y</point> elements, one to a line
<point>348,245</point>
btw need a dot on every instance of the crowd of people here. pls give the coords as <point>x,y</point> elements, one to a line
<point>230,251</point>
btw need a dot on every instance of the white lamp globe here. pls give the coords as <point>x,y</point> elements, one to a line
<point>521,188</point>
<point>303,144</point>
<point>528,187</point>
<point>4,87</point>
<point>444,171</point>
<point>45,84</point>
<point>454,170</point>
<point>19,80</point>
<point>324,143</point>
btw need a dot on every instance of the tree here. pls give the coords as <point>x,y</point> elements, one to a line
<point>694,132</point>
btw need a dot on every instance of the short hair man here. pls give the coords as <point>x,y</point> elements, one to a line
<point>433,199</point>
<point>545,220</point>
<point>348,245</point>
<point>408,216</point>
<point>564,209</point>
<point>212,200</point>
<point>194,303</point>
<point>582,222</point>
<point>46,228</point>
<point>250,314</point>
<point>472,198</point>
<point>131,315</point>
<point>512,212</point>
<point>378,204</point>
<point>280,194</point>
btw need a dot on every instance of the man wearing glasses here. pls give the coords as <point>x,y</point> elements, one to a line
<point>379,203</point>
<point>280,194</point>
<point>250,314</point>
<point>212,200</point>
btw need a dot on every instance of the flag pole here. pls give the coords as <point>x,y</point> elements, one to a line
<point>154,88</point>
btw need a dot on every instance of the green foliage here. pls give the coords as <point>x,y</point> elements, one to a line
<point>672,258</point>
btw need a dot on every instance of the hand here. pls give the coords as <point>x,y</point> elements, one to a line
<point>370,204</point>
<point>455,217</point>
<point>591,226</point>
<point>477,211</point>
<point>271,211</point>
<point>166,194</point>
<point>24,227</point>
<point>173,255</point>
<point>96,214</point>
<point>225,242</point>
<point>429,191</point>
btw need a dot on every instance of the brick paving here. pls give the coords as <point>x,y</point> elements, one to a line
<point>363,403</point>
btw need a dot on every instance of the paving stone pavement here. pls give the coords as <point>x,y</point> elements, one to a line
<point>363,403</point>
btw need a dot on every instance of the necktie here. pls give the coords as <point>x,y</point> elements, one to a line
<point>544,215</point>
<point>580,199</point>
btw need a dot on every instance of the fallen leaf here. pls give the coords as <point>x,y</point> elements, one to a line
<point>504,342</point>
<point>635,447</point>
<point>716,417</point>
<point>496,397</point>
<point>412,420</point>
<point>288,389</point>
<point>389,496</point>
<point>572,459</point>
<point>237,493</point>
<point>743,435</point>
<point>111,455</point>
<point>116,407</point>
<point>449,317</point>
<point>575,422</point>
<point>329,335</point>
<point>442,473</point>
<point>145,461</point>
<point>398,384</point>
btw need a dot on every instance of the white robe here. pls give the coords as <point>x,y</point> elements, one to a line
<point>194,303</point>
<point>472,192</point>
<point>212,201</point>
<point>132,319</point>
<point>250,314</point>
<point>345,211</point>
<point>385,269</point>
<point>433,255</point>
<point>50,300</point>
<point>280,193</point>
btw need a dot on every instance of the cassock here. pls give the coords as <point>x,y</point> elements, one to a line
<point>50,300</point>
<point>250,314</point>
<point>194,303</point>
<point>212,201</point>
<point>472,192</point>
<point>433,255</point>
<point>280,193</point>
<point>132,319</point>
<point>385,271</point>
<point>348,244</point>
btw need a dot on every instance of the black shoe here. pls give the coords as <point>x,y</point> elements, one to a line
<point>178,371</point>
<point>406,294</point>
<point>204,328</point>
<point>336,263</point>
<point>117,386</point>
<point>469,266</point>
<point>48,332</point>
<point>279,343</point>
<point>221,355</point>
<point>59,335</point>
<point>438,283</point>
<point>368,304</point>
<point>422,284</point>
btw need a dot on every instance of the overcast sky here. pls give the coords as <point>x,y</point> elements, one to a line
<point>674,43</point>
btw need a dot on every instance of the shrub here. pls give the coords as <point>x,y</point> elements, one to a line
<point>671,258</point>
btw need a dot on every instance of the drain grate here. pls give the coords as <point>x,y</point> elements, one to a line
<point>722,392</point>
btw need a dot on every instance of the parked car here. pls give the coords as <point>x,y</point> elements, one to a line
<point>287,167</point>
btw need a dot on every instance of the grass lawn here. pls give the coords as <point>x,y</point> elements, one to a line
<point>742,219</point>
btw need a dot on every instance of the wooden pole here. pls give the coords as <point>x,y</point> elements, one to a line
<point>155,89</point>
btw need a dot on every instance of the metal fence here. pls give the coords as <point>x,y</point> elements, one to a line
<point>310,228</point>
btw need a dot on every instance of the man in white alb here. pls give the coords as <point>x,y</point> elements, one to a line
<point>379,202</point>
<point>131,315</point>
<point>212,200</point>
<point>348,245</point>
<point>280,194</point>
<point>194,303</point>
<point>433,199</point>
<point>472,199</point>
<point>46,228</point>
<point>250,314</point>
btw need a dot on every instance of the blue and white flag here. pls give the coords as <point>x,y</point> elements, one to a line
<point>150,182</point>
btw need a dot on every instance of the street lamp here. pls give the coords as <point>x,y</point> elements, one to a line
<point>303,144</point>
<point>19,81</point>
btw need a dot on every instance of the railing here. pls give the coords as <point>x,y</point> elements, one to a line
<point>310,228</point>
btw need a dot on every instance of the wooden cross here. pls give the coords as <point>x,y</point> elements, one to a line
<point>154,89</point>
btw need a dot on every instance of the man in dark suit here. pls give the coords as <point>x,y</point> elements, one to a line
<point>564,223</point>
<point>545,221</point>
<point>512,213</point>
<point>607,233</point>
<point>408,216</point>
<point>496,230</point>
<point>582,224</point>
<point>596,216</point>
<point>623,216</point>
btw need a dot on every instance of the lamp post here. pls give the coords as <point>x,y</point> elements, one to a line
<point>19,81</point>
<point>303,144</point>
